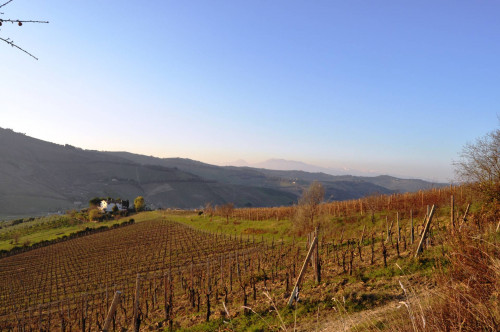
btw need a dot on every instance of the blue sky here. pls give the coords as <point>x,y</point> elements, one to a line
<point>395,87</point>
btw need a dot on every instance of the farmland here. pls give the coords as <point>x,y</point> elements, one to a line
<point>208,271</point>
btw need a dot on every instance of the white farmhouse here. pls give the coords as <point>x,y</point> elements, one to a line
<point>107,206</point>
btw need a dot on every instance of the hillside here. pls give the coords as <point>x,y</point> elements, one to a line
<point>337,187</point>
<point>38,177</point>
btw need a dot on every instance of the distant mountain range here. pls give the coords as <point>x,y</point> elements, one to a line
<point>38,177</point>
<point>284,165</point>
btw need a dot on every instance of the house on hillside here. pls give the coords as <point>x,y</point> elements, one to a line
<point>109,204</point>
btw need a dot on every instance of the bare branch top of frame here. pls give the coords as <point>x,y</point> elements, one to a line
<point>6,3</point>
<point>22,21</point>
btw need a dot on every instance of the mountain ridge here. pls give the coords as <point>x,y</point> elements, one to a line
<point>280,164</point>
<point>39,177</point>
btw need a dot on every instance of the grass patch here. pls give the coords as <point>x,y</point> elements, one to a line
<point>266,229</point>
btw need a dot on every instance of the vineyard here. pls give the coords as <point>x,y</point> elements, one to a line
<point>180,271</point>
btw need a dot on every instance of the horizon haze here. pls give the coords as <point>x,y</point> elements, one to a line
<point>385,88</point>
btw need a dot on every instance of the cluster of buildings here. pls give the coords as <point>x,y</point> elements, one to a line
<point>107,205</point>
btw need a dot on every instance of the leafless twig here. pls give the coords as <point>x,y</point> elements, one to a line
<point>20,23</point>
<point>11,43</point>
<point>6,3</point>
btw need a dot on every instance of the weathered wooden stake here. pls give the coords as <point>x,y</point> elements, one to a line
<point>135,318</point>
<point>372,245</point>
<point>302,272</point>
<point>412,230</point>
<point>316,261</point>
<point>389,235</point>
<point>424,233</point>
<point>399,229</point>
<point>112,310</point>
<point>464,218</point>
<point>384,252</point>
<point>387,227</point>
<point>452,213</point>
<point>362,235</point>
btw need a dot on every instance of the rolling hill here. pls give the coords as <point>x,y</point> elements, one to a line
<point>38,177</point>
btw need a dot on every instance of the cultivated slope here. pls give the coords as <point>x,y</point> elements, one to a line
<point>337,187</point>
<point>38,177</point>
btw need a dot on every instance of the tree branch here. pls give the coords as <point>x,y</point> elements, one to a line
<point>19,22</point>
<point>6,3</point>
<point>22,21</point>
<point>11,43</point>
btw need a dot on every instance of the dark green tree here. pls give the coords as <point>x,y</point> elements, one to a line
<point>96,201</point>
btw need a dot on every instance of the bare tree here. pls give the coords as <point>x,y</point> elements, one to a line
<point>208,210</point>
<point>225,210</point>
<point>480,165</point>
<point>307,212</point>
<point>19,23</point>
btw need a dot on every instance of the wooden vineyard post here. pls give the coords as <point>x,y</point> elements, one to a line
<point>372,245</point>
<point>208,290</point>
<point>452,213</point>
<point>302,272</point>
<point>316,262</point>
<point>424,233</point>
<point>399,228</point>
<point>362,235</point>
<point>112,310</point>
<point>412,230</point>
<point>389,231</point>
<point>384,249</point>
<point>168,294</point>
<point>135,319</point>
<point>387,227</point>
<point>360,243</point>
<point>464,218</point>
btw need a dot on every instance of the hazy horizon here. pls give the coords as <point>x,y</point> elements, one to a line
<point>388,87</point>
<point>274,164</point>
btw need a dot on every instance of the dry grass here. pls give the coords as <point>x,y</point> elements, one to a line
<point>468,299</point>
<point>467,292</point>
<point>465,296</point>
